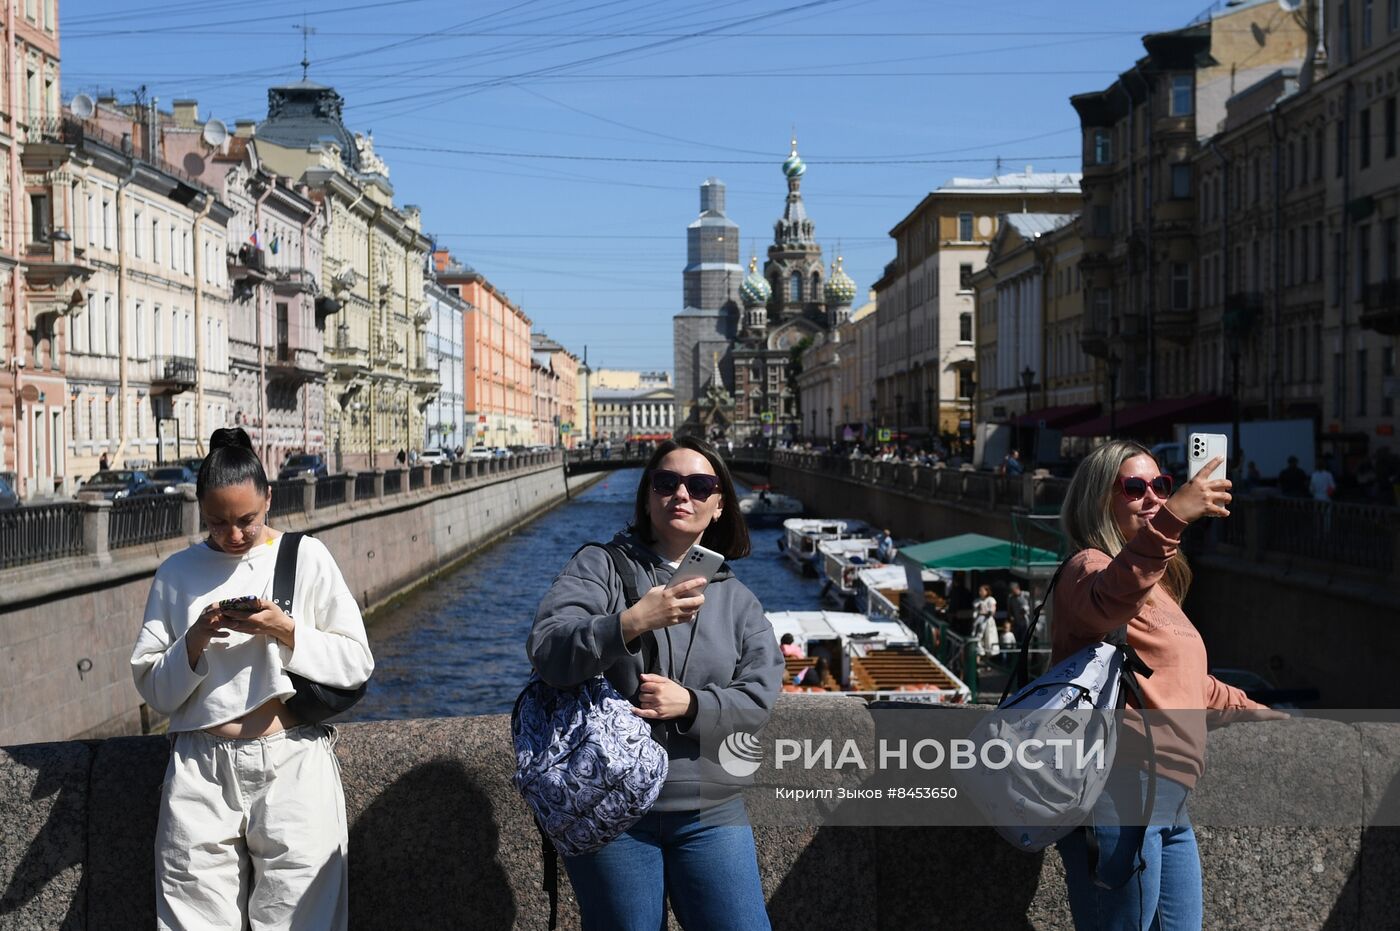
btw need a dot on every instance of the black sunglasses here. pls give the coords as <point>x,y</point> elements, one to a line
<point>700,485</point>
<point>1135,488</point>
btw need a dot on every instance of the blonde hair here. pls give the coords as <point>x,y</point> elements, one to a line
<point>1087,513</point>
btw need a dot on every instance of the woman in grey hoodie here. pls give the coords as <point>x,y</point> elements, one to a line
<point>720,671</point>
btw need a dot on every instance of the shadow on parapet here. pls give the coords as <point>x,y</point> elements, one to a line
<point>423,855</point>
<point>1367,901</point>
<point>45,799</point>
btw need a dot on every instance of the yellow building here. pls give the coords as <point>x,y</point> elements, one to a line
<point>1032,367</point>
<point>378,378</point>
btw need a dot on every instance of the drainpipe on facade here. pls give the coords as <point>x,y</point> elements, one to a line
<point>306,386</point>
<point>16,304</point>
<point>199,425</point>
<point>1225,256</point>
<point>259,298</point>
<point>1277,128</point>
<point>122,368</point>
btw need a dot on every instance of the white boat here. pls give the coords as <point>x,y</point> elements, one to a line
<point>881,589</point>
<point>801,536</point>
<point>867,657</point>
<point>764,506</point>
<point>841,560</point>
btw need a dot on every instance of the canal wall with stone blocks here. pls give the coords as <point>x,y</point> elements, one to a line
<point>439,838</point>
<point>67,627</point>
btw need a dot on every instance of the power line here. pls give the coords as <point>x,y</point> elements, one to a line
<point>716,161</point>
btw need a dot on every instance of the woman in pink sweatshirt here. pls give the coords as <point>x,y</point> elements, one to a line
<point>1124,525</point>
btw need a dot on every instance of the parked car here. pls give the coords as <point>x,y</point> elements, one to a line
<point>481,452</point>
<point>432,457</point>
<point>115,484</point>
<point>303,464</point>
<point>500,452</point>
<point>8,497</point>
<point>165,479</point>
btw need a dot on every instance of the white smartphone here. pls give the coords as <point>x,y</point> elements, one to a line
<point>1202,448</point>
<point>697,563</point>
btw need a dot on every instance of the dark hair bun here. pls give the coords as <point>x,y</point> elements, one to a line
<point>230,438</point>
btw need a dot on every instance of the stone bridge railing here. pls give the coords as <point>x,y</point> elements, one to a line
<point>439,839</point>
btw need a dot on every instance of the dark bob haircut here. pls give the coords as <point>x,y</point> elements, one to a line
<point>728,535</point>
<point>231,461</point>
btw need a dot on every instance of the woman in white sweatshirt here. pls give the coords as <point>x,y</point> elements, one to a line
<point>252,829</point>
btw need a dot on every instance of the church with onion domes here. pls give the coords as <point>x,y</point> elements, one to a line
<point>738,340</point>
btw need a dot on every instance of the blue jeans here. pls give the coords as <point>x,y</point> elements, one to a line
<point>1165,895</point>
<point>703,860</point>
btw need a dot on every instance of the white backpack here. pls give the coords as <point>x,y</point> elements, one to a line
<point>1079,698</point>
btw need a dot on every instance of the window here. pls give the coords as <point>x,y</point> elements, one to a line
<point>38,218</point>
<point>1346,40</point>
<point>136,236</point>
<point>1390,260</point>
<point>1256,180</point>
<point>1183,86</point>
<point>1392,16</point>
<point>1303,157</point>
<point>155,241</point>
<point>91,220</point>
<point>1361,383</point>
<point>1387,374</point>
<point>965,227</point>
<point>1364,137</point>
<point>795,287</point>
<point>1103,147</point>
<point>965,326</point>
<point>1103,221</point>
<point>1338,273</point>
<point>1290,272</point>
<point>965,277</point>
<point>106,223</point>
<point>1341,146</point>
<point>1389,121</point>
<point>1288,355</point>
<point>1317,155</point>
<point>1363,260</point>
<point>1181,181</point>
<point>1181,286</point>
<point>1367,11</point>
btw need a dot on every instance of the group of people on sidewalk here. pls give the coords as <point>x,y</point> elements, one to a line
<point>252,827</point>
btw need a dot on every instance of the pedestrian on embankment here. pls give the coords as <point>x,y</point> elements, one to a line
<point>720,672</point>
<point>1124,526</point>
<point>252,827</point>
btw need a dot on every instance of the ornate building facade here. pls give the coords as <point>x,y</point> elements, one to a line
<point>378,381</point>
<point>704,330</point>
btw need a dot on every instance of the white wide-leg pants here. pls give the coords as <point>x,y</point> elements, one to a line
<point>252,834</point>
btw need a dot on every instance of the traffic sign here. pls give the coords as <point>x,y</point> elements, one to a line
<point>883,434</point>
<point>566,428</point>
<point>766,417</point>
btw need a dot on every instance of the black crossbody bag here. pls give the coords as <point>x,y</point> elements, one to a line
<point>313,702</point>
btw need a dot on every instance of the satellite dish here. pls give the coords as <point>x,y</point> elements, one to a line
<point>82,106</point>
<point>1289,6</point>
<point>215,133</point>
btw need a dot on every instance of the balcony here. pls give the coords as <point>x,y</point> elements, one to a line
<point>293,281</point>
<point>1380,307</point>
<point>344,356</point>
<point>291,364</point>
<point>1177,325</point>
<point>424,380</point>
<point>248,264</point>
<point>172,374</point>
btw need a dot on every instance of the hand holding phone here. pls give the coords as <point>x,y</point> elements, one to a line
<point>243,604</point>
<point>697,563</point>
<point>1201,448</point>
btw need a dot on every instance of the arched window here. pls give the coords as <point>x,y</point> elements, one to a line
<point>816,285</point>
<point>795,287</point>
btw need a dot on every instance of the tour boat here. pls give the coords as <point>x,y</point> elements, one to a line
<point>801,536</point>
<point>840,561</point>
<point>767,507</point>
<point>872,658</point>
<point>880,590</point>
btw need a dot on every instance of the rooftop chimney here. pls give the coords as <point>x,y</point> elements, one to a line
<point>186,113</point>
<point>243,129</point>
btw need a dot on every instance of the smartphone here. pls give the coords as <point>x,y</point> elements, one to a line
<point>1202,448</point>
<point>697,563</point>
<point>244,604</point>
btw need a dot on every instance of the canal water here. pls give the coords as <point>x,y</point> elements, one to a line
<point>457,646</point>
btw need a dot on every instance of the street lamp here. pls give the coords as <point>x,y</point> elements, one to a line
<point>1028,382</point>
<point>830,428</point>
<point>874,418</point>
<point>1112,363</point>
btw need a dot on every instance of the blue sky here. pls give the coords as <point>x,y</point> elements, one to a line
<point>558,145</point>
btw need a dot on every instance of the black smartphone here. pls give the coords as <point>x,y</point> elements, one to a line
<point>243,604</point>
